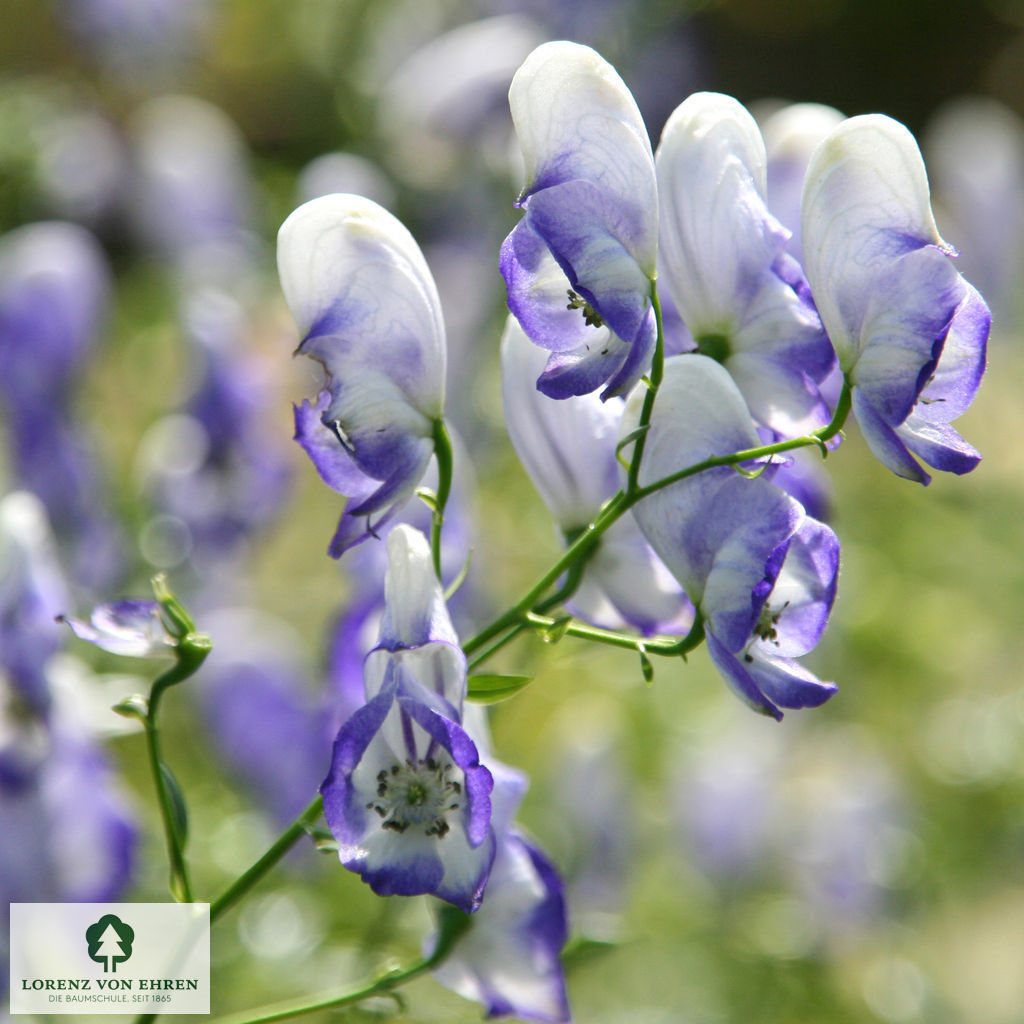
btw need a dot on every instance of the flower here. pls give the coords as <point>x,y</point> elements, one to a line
<point>509,959</point>
<point>134,629</point>
<point>725,266</point>
<point>590,229</point>
<point>568,449</point>
<point>909,331</point>
<point>761,572</point>
<point>367,308</point>
<point>406,796</point>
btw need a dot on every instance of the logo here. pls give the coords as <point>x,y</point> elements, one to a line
<point>110,942</point>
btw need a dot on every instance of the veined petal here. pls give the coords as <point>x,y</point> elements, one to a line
<point>742,297</point>
<point>351,272</point>
<point>509,961</point>
<point>408,800</point>
<point>865,203</point>
<point>567,447</point>
<point>591,199</point>
<point>415,611</point>
<point>905,321</point>
<point>367,307</point>
<point>767,682</point>
<point>576,120</point>
<point>130,628</point>
<point>884,442</point>
<point>716,530</point>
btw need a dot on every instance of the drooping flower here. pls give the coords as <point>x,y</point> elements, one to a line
<point>760,571</point>
<point>368,311</point>
<point>589,232</point>
<point>134,629</point>
<point>509,959</point>
<point>909,331</point>
<point>406,797</point>
<point>724,264</point>
<point>568,449</point>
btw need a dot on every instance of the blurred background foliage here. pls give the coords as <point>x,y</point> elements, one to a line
<point>863,862</point>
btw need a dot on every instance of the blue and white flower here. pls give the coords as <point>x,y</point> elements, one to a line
<point>760,571</point>
<point>725,266</point>
<point>368,312</point>
<point>589,233</point>
<point>406,797</point>
<point>568,449</point>
<point>909,331</point>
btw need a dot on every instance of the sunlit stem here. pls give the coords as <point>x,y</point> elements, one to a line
<point>291,835</point>
<point>191,651</point>
<point>445,461</point>
<point>660,645</point>
<point>656,375</point>
<point>509,623</point>
<point>453,923</point>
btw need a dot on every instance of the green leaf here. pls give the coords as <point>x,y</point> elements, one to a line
<point>429,498</point>
<point>491,688</point>
<point>136,706</point>
<point>179,812</point>
<point>553,633</point>
<point>647,668</point>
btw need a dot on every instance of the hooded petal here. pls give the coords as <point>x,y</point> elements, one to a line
<point>716,531</point>
<point>367,307</point>
<point>742,297</point>
<point>509,960</point>
<point>591,201</point>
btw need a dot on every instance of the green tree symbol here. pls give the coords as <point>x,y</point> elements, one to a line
<point>110,942</point>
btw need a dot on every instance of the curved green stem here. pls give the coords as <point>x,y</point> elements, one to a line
<point>509,623</point>
<point>445,465</point>
<point>191,651</point>
<point>261,867</point>
<point>452,925</point>
<point>660,645</point>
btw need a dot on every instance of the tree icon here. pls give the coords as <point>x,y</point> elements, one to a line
<point>110,942</point>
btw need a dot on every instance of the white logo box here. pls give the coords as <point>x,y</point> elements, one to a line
<point>107,958</point>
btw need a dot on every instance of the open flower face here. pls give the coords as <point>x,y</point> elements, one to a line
<point>368,311</point>
<point>890,297</point>
<point>579,265</point>
<point>406,796</point>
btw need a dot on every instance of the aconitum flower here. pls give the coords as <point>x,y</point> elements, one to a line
<point>761,573</point>
<point>909,331</point>
<point>725,266</point>
<point>133,629</point>
<point>509,959</point>
<point>589,233</point>
<point>568,449</point>
<point>368,312</point>
<point>406,797</point>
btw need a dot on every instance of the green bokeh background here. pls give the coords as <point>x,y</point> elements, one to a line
<point>926,638</point>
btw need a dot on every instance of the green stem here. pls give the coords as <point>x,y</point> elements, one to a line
<point>445,464</point>
<point>281,846</point>
<point>191,651</point>
<point>453,924</point>
<point>506,625</point>
<point>656,375</point>
<point>660,645</point>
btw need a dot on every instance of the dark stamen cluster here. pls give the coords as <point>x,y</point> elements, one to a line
<point>416,793</point>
